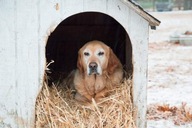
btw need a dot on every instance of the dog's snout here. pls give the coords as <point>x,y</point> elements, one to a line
<point>93,68</point>
<point>93,65</point>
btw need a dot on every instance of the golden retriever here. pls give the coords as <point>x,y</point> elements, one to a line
<point>98,71</point>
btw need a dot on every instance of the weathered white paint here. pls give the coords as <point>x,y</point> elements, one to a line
<point>139,38</point>
<point>25,27</point>
<point>7,64</point>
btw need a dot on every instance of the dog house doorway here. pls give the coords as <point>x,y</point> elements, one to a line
<point>73,32</point>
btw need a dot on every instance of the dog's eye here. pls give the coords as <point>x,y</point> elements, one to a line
<point>101,53</point>
<point>86,53</point>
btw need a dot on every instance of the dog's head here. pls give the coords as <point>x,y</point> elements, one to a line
<point>95,57</point>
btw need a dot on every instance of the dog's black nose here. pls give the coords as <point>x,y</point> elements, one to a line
<point>93,66</point>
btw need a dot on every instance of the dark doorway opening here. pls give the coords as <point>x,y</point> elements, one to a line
<point>72,33</point>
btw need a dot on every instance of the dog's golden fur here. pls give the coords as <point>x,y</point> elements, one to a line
<point>98,71</point>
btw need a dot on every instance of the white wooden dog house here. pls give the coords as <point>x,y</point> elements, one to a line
<point>25,28</point>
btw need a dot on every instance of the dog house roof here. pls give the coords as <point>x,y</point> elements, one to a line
<point>140,11</point>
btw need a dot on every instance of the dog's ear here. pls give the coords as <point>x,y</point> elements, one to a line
<point>113,62</point>
<point>79,61</point>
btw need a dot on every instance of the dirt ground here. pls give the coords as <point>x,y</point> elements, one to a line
<point>170,72</point>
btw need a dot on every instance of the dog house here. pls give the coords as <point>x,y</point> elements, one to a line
<point>34,31</point>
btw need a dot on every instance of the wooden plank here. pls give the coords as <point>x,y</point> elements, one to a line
<point>7,66</point>
<point>27,67</point>
<point>49,16</point>
<point>139,33</point>
<point>94,5</point>
<point>71,7</point>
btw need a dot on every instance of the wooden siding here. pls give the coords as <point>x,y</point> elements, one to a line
<point>25,27</point>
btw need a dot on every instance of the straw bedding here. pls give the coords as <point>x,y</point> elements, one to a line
<point>56,108</point>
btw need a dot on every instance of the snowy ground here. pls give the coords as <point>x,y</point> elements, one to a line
<point>170,66</point>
